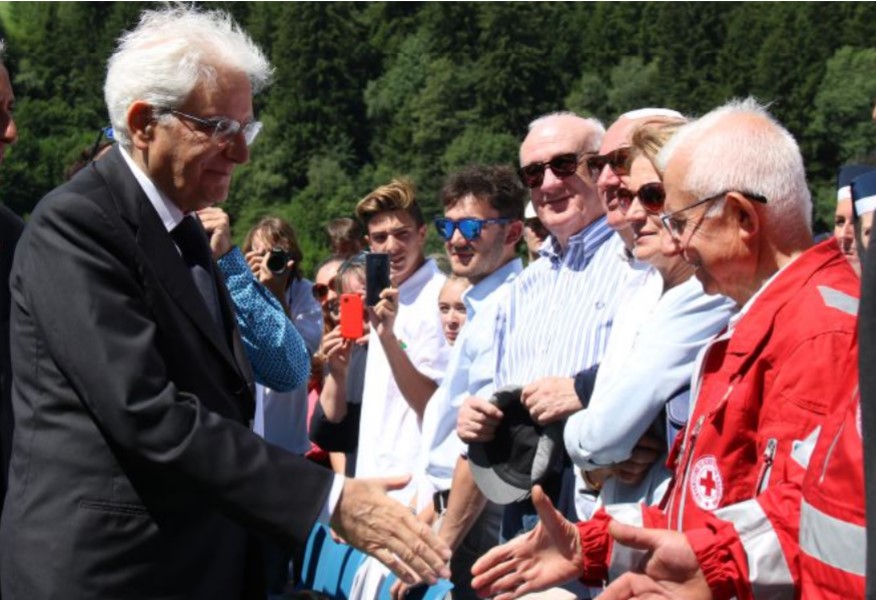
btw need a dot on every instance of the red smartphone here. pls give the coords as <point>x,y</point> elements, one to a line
<point>352,316</point>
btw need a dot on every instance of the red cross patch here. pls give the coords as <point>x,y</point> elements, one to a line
<point>706,485</point>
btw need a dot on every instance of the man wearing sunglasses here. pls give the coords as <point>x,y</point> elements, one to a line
<point>481,228</point>
<point>559,311</point>
<point>738,208</point>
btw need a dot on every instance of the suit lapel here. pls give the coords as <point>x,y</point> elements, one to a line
<point>152,237</point>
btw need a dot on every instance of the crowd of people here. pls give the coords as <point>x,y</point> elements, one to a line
<point>632,373</point>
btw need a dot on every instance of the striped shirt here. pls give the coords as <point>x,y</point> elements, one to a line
<point>558,314</point>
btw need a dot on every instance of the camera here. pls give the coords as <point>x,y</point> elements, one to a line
<point>277,261</point>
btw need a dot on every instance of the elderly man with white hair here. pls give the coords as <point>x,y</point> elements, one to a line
<point>738,208</point>
<point>134,471</point>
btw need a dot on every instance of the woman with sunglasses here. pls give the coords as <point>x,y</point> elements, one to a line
<point>334,425</point>
<point>640,397</point>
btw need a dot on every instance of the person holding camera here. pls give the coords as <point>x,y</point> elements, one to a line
<point>273,254</point>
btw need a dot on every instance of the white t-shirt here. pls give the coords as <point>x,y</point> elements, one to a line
<point>389,433</point>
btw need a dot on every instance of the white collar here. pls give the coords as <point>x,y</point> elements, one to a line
<point>169,212</point>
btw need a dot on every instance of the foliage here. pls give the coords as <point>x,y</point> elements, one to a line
<point>364,92</point>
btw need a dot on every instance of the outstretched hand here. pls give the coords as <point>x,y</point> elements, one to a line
<point>547,556</point>
<point>378,525</point>
<point>670,562</point>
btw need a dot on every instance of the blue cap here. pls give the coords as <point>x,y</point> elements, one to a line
<point>864,193</point>
<point>844,179</point>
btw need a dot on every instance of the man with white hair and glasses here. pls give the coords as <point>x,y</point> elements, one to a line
<point>738,208</point>
<point>134,471</point>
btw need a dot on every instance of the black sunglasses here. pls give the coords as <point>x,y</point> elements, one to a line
<point>651,196</point>
<point>618,160</point>
<point>562,165</point>
<point>469,228</point>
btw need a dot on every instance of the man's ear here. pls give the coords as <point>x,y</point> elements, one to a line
<point>746,214</point>
<point>141,123</point>
<point>367,239</point>
<point>515,232</point>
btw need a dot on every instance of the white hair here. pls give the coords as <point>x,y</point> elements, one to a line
<point>647,113</point>
<point>594,136</point>
<point>753,154</point>
<point>169,53</point>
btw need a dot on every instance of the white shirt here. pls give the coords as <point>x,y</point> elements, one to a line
<point>389,433</point>
<point>470,371</point>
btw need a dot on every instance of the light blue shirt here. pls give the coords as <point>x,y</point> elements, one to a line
<point>558,313</point>
<point>652,366</point>
<point>470,372</point>
<point>272,344</point>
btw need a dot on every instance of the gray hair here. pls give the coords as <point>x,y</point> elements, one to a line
<point>169,53</point>
<point>594,137</point>
<point>754,154</point>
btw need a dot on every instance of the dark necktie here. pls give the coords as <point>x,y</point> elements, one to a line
<point>191,239</point>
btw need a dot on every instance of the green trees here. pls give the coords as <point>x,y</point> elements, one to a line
<point>365,92</point>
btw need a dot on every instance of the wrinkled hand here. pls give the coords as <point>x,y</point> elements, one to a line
<point>477,420</point>
<point>382,315</point>
<point>648,449</point>
<point>400,589</point>
<point>378,525</point>
<point>550,399</point>
<point>670,562</point>
<point>547,556</point>
<point>218,226</point>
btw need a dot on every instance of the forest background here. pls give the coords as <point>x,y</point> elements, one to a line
<point>364,92</point>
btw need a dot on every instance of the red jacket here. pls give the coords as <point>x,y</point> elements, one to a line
<point>759,392</point>
<point>833,538</point>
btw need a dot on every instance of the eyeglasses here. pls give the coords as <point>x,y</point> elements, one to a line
<point>469,228</point>
<point>320,290</point>
<point>562,166</point>
<point>650,195</point>
<point>223,129</point>
<point>676,225</point>
<point>618,160</point>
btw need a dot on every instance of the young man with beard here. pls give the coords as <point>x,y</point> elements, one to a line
<point>481,228</point>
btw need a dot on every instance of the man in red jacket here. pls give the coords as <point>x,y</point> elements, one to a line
<point>738,206</point>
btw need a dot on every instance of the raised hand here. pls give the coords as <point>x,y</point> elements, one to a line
<point>545,557</point>
<point>670,561</point>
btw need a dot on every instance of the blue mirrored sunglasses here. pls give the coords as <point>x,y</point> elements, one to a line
<point>469,228</point>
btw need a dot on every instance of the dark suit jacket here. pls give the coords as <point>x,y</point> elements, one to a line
<point>10,230</point>
<point>134,472</point>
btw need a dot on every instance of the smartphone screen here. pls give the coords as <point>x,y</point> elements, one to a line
<point>352,316</point>
<point>376,276</point>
